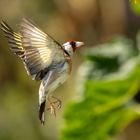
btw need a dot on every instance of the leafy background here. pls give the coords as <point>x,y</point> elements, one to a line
<point>101,98</point>
<point>110,84</point>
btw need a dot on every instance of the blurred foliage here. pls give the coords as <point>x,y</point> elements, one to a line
<point>135,6</point>
<point>109,80</point>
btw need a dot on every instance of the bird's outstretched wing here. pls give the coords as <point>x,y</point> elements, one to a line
<point>37,50</point>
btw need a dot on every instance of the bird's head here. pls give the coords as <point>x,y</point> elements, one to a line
<point>71,46</point>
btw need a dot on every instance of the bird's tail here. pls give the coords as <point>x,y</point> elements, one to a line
<point>42,112</point>
<point>42,103</point>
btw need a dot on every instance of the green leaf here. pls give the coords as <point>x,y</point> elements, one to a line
<point>135,4</point>
<point>109,80</point>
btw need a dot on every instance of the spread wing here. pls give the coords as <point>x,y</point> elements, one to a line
<point>37,49</point>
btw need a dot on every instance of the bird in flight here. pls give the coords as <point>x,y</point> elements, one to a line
<point>44,59</point>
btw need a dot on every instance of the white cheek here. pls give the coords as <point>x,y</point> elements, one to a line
<point>68,47</point>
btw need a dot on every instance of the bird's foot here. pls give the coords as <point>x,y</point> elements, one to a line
<point>58,102</point>
<point>52,105</point>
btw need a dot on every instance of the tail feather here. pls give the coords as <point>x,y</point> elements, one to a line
<point>42,112</point>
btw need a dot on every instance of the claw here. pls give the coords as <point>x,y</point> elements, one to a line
<point>57,101</point>
<point>52,107</point>
<point>53,110</point>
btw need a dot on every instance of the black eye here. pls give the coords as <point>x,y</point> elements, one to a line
<point>73,43</point>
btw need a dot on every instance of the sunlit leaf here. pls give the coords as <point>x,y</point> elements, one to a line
<point>135,4</point>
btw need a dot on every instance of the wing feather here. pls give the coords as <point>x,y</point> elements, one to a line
<point>14,39</point>
<point>37,50</point>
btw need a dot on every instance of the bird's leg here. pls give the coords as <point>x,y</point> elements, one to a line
<point>51,107</point>
<point>58,101</point>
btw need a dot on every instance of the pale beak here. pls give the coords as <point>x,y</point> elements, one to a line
<point>79,44</point>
